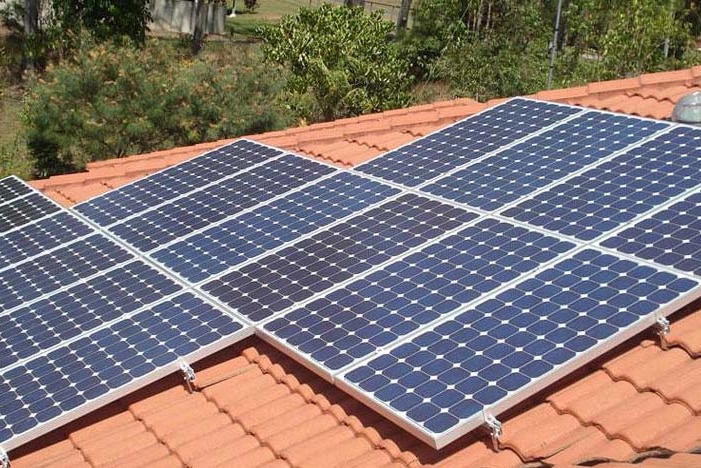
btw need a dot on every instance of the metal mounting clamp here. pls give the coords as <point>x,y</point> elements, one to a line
<point>663,327</point>
<point>188,375</point>
<point>493,425</point>
<point>4,459</point>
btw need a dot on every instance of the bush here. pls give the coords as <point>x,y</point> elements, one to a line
<point>111,101</point>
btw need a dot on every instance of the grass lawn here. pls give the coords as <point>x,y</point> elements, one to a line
<point>268,12</point>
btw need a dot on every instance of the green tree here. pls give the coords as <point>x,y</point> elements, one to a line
<point>111,101</point>
<point>104,19</point>
<point>341,62</point>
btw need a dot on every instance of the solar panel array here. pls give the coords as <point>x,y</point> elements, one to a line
<point>440,283</point>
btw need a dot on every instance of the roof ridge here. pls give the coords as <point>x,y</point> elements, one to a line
<point>405,458</point>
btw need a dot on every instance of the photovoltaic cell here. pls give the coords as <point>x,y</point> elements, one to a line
<point>443,378</point>
<point>25,210</point>
<point>34,239</point>
<point>166,185</point>
<point>465,141</point>
<point>670,237</point>
<point>615,192</point>
<point>214,203</point>
<point>554,154</point>
<point>66,314</point>
<point>11,188</point>
<point>368,314</point>
<point>207,253</point>
<point>136,350</point>
<point>30,280</point>
<point>316,264</point>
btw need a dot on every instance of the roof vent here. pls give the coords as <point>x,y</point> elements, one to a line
<point>688,109</point>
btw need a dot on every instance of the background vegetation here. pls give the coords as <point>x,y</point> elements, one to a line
<point>85,81</point>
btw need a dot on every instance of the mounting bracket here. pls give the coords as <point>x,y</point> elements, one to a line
<point>662,328</point>
<point>4,459</point>
<point>493,425</point>
<point>188,374</point>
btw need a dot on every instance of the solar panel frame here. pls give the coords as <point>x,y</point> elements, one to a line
<point>557,373</point>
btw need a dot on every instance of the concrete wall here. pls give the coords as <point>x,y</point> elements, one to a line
<point>179,16</point>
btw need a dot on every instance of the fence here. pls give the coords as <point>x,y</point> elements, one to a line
<point>390,8</point>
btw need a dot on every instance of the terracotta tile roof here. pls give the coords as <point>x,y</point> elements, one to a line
<point>253,406</point>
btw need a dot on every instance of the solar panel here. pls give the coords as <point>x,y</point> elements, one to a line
<point>216,202</point>
<point>669,237</point>
<point>26,209</point>
<point>355,320</point>
<point>39,237</point>
<point>465,141</point>
<point>443,382</point>
<point>175,181</point>
<point>604,197</point>
<point>493,182</point>
<point>12,188</point>
<point>36,327</point>
<point>283,220</point>
<point>310,266</point>
<point>72,379</point>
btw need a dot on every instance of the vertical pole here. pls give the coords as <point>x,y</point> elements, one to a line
<point>553,45</point>
<point>403,18</point>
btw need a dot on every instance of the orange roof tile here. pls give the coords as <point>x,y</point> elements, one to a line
<point>253,406</point>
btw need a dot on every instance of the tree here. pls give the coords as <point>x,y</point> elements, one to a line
<point>104,19</point>
<point>200,26</point>
<point>110,101</point>
<point>31,28</point>
<point>341,62</point>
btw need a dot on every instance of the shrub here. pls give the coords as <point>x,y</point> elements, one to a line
<point>111,101</point>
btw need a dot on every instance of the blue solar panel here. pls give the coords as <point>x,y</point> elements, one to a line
<point>24,210</point>
<point>465,141</point>
<point>670,237</point>
<point>29,280</point>
<point>354,321</point>
<point>37,327</point>
<point>36,238</point>
<point>12,188</point>
<point>554,154</point>
<point>100,367</point>
<point>202,208</point>
<point>316,264</point>
<point>442,380</point>
<point>175,181</point>
<point>615,192</point>
<point>205,254</point>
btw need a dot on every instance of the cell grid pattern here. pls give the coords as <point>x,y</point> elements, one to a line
<point>205,254</point>
<point>25,210</point>
<point>36,238</point>
<point>105,361</point>
<point>178,180</point>
<point>12,188</point>
<point>315,264</point>
<point>30,280</point>
<point>671,237</point>
<point>449,374</point>
<point>200,209</point>
<point>465,141</point>
<point>353,322</point>
<point>615,192</point>
<point>491,183</point>
<point>86,306</point>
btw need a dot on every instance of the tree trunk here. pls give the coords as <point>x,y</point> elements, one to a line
<point>31,26</point>
<point>200,26</point>
<point>403,18</point>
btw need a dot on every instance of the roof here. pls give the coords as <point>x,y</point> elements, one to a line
<point>253,406</point>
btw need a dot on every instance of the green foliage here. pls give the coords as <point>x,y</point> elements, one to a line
<point>104,19</point>
<point>111,101</point>
<point>340,60</point>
